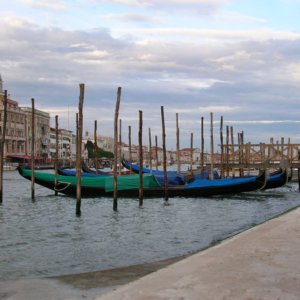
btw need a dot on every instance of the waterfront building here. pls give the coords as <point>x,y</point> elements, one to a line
<point>15,138</point>
<point>42,132</point>
<point>15,126</point>
<point>66,148</point>
<point>18,136</point>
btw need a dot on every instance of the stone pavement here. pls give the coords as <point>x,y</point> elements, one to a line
<point>260,263</point>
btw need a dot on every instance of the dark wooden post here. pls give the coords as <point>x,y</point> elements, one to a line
<point>247,156</point>
<point>141,188</point>
<point>211,146</point>
<point>150,148</point>
<point>56,154</point>
<point>177,144</point>
<point>232,141</point>
<point>289,154</point>
<point>164,154</point>
<point>222,147</point>
<point>191,154</point>
<point>232,149</point>
<point>130,153</point>
<point>115,200</point>
<point>282,148</point>
<point>96,147</point>
<point>227,151</point>
<point>3,144</point>
<point>79,150</point>
<point>76,139</point>
<point>32,149</point>
<point>156,153</point>
<point>271,151</point>
<point>202,147</point>
<point>242,153</point>
<point>120,146</point>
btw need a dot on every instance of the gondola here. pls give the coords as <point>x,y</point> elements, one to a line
<point>276,179</point>
<point>173,176</point>
<point>86,169</point>
<point>71,172</point>
<point>128,185</point>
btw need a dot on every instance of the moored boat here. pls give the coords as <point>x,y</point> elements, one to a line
<point>276,179</point>
<point>72,172</point>
<point>128,185</point>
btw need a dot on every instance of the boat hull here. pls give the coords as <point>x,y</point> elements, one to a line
<point>67,185</point>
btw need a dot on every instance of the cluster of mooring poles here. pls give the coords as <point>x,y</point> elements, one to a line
<point>227,151</point>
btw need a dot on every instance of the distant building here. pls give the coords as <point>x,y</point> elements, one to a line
<point>18,136</point>
<point>15,137</point>
<point>66,148</point>
<point>42,132</point>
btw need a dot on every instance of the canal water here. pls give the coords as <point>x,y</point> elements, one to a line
<point>44,238</point>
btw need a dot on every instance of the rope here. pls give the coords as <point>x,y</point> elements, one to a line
<point>63,188</point>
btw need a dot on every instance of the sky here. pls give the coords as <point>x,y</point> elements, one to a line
<point>237,59</point>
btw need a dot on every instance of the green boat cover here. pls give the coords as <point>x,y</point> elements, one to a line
<point>125,182</point>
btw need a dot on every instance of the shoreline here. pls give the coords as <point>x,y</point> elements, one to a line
<point>88,285</point>
<point>116,276</point>
<point>259,263</point>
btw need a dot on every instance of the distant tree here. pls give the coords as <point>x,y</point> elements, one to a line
<point>100,152</point>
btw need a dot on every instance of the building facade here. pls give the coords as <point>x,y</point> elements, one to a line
<point>18,135</point>
<point>41,132</point>
<point>64,144</point>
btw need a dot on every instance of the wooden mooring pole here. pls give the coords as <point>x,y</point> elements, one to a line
<point>222,147</point>
<point>96,148</point>
<point>211,147</point>
<point>115,199</point>
<point>177,144</point>
<point>150,150</point>
<point>227,151</point>
<point>129,145</point>
<point>202,147</point>
<point>156,153</point>
<point>232,149</point>
<point>79,150</point>
<point>56,156</point>
<point>3,144</point>
<point>32,149</point>
<point>120,147</point>
<point>164,155</point>
<point>141,187</point>
<point>191,154</point>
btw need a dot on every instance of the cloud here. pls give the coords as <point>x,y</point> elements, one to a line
<point>207,109</point>
<point>195,7</point>
<point>131,17</point>
<point>237,74</point>
<point>236,17</point>
<point>48,4</point>
<point>204,36</point>
<point>169,3</point>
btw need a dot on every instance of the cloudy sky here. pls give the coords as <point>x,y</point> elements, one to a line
<point>239,59</point>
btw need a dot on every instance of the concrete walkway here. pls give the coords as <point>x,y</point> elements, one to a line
<point>261,263</point>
